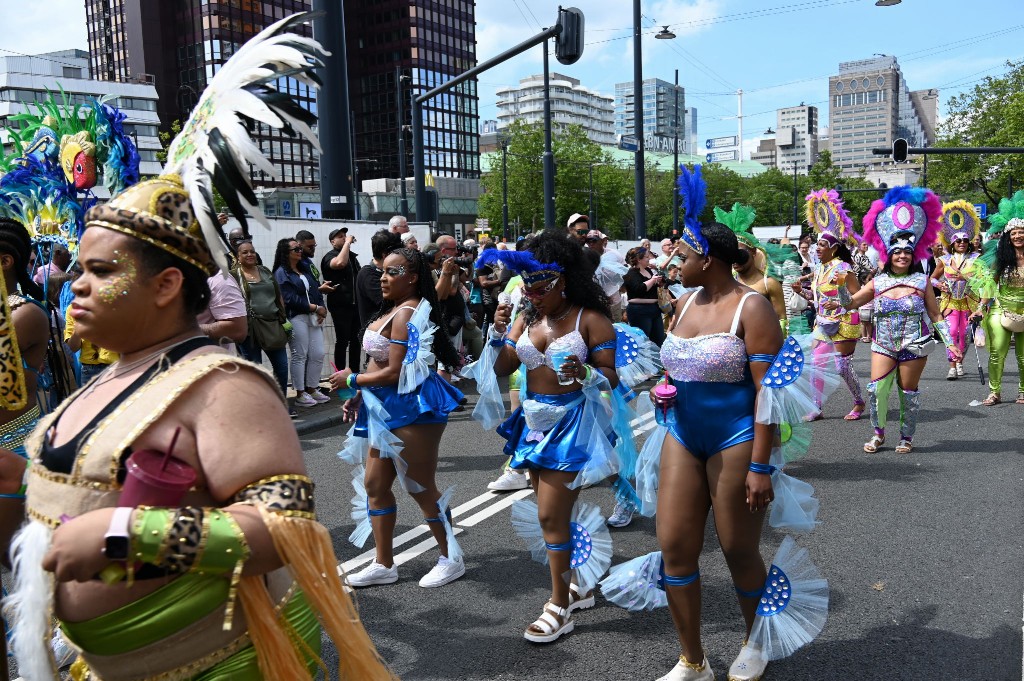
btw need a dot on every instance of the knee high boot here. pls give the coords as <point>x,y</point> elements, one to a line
<point>844,364</point>
<point>878,402</point>
<point>910,404</point>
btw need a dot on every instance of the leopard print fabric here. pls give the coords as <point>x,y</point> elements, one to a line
<point>13,392</point>
<point>288,494</point>
<point>184,541</point>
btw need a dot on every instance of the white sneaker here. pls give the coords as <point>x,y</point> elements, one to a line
<point>749,664</point>
<point>319,397</point>
<point>510,481</point>
<point>444,572</point>
<point>951,374</point>
<point>304,400</point>
<point>62,652</point>
<point>622,515</point>
<point>959,369</point>
<point>686,671</point>
<point>373,574</point>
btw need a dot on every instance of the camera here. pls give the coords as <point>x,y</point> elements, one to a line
<point>465,250</point>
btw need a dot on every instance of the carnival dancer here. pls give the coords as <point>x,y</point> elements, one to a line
<point>716,454</point>
<point>145,456</point>
<point>901,225</point>
<point>756,272</point>
<point>836,329</point>
<point>400,412</point>
<point>960,224</point>
<point>562,433</point>
<point>998,277</point>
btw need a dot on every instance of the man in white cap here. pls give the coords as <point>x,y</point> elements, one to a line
<point>409,241</point>
<point>578,226</point>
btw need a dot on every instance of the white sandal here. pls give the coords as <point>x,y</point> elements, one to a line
<point>552,624</point>
<point>872,445</point>
<point>578,602</point>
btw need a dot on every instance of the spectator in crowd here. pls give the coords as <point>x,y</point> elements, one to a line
<point>641,283</point>
<point>578,226</point>
<point>488,279</point>
<point>51,276</point>
<point>93,359</point>
<point>224,318</point>
<point>609,272</point>
<point>265,304</point>
<point>398,224</point>
<point>666,254</point>
<point>409,241</point>
<point>864,269</point>
<point>447,277</point>
<point>339,267</point>
<point>304,305</point>
<point>368,296</point>
<point>307,242</point>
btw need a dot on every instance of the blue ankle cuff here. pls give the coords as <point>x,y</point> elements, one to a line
<point>381,511</point>
<point>756,593</point>
<point>682,581</point>
<point>559,547</point>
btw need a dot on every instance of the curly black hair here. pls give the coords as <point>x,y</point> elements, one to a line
<point>555,246</point>
<point>723,244</point>
<point>1006,256</point>
<point>442,347</point>
<point>15,242</point>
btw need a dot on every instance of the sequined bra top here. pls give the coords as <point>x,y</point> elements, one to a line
<point>912,303</point>
<point>376,344</point>
<point>533,358</point>
<point>712,358</point>
<point>954,273</point>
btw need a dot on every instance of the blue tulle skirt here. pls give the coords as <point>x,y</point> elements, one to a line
<point>564,447</point>
<point>431,402</point>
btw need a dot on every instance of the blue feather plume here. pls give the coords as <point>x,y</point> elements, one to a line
<point>694,190</point>
<point>120,158</point>
<point>912,195</point>
<point>517,261</point>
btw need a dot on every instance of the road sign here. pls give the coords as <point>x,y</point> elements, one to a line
<point>286,208</point>
<point>982,209</point>
<point>721,142</point>
<point>717,156</point>
<point>627,143</point>
<point>309,211</point>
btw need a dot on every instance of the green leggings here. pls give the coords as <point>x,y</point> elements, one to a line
<point>998,347</point>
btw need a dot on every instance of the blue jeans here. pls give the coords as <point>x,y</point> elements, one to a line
<point>90,370</point>
<point>648,318</point>
<point>251,351</point>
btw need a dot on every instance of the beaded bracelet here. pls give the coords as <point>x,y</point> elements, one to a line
<point>763,468</point>
<point>351,383</point>
<point>586,375</point>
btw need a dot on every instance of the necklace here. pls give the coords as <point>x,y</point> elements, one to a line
<point>554,320</point>
<point>117,369</point>
<point>251,277</point>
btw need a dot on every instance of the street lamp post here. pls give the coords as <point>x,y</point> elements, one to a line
<point>639,190</point>
<point>403,206</point>
<point>675,159</point>
<point>549,157</point>
<point>504,188</point>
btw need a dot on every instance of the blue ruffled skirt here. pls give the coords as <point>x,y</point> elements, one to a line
<point>431,402</point>
<point>565,447</point>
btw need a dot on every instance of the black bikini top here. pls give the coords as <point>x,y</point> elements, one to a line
<point>61,458</point>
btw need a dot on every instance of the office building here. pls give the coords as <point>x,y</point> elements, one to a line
<point>431,43</point>
<point>571,104</point>
<point>178,47</point>
<point>664,115</point>
<point>28,79</point>
<point>795,140</point>
<point>870,105</point>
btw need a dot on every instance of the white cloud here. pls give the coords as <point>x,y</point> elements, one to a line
<point>43,27</point>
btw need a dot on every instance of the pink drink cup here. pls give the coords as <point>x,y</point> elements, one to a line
<point>664,393</point>
<point>151,482</point>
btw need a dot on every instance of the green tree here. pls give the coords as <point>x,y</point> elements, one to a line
<point>991,114</point>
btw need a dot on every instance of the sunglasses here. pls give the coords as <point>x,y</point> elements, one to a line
<point>297,249</point>
<point>961,241</point>
<point>537,294</point>
<point>582,232</point>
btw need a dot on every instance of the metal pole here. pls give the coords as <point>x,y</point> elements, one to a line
<point>355,169</point>
<point>924,176</point>
<point>739,118</point>
<point>504,189</point>
<point>549,157</point>
<point>403,206</point>
<point>639,190</point>
<point>418,171</point>
<point>794,194</point>
<point>590,210</point>
<point>333,107</point>
<point>675,162</point>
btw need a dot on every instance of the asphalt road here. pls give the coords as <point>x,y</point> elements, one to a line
<point>923,553</point>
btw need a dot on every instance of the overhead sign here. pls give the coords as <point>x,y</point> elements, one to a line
<point>309,211</point>
<point>722,142</point>
<point>717,156</point>
<point>982,209</point>
<point>627,143</point>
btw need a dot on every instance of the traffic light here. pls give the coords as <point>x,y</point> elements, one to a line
<point>430,213</point>
<point>899,150</point>
<point>569,43</point>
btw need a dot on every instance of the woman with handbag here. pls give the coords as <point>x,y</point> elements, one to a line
<point>265,309</point>
<point>642,285</point>
<point>306,311</point>
<point>998,277</point>
<point>836,328</point>
<point>900,225</point>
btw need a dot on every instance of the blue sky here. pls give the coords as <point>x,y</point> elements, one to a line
<point>780,52</point>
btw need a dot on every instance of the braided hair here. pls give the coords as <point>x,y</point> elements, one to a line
<point>15,242</point>
<point>442,346</point>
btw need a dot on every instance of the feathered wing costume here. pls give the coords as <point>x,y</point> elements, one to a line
<point>174,212</point>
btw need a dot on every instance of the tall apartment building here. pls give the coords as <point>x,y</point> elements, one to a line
<point>430,42</point>
<point>571,104</point>
<point>178,47</point>
<point>796,140</point>
<point>28,79</point>
<point>664,115</point>
<point>870,105</point>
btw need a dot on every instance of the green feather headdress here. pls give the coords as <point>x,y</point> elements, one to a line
<point>739,220</point>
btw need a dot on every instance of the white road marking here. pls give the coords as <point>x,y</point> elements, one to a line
<point>500,503</point>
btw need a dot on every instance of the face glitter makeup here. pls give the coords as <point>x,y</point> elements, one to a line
<point>119,283</point>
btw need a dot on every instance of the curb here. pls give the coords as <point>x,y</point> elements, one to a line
<point>318,422</point>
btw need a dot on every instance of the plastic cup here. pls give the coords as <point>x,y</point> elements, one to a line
<point>558,358</point>
<point>152,482</point>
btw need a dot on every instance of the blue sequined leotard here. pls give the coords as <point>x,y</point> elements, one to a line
<point>714,407</point>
